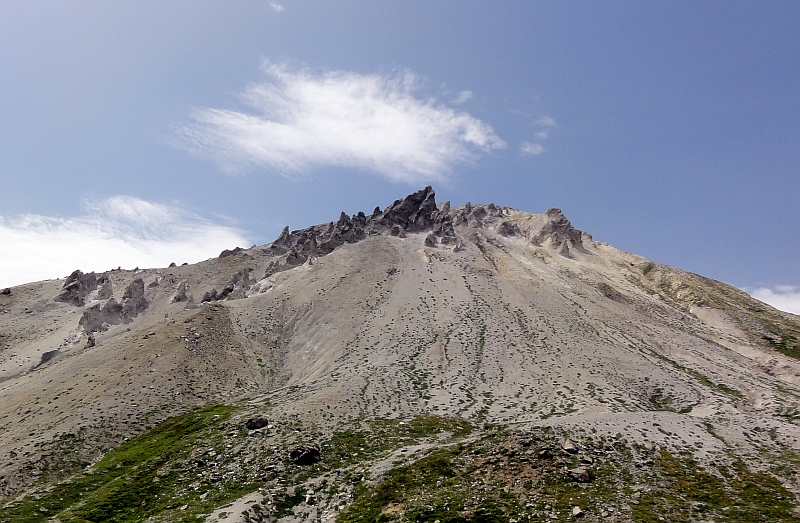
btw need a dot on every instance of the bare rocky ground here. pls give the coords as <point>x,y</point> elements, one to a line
<point>437,357</point>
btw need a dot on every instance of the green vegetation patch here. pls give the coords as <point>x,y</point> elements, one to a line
<point>135,480</point>
<point>504,477</point>
<point>689,492</point>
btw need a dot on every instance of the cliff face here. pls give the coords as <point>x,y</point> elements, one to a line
<point>479,313</point>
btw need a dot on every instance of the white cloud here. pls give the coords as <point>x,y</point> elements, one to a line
<point>545,121</point>
<point>299,119</point>
<point>531,148</point>
<point>537,148</point>
<point>119,231</point>
<point>783,297</point>
<point>463,97</point>
<point>278,8</point>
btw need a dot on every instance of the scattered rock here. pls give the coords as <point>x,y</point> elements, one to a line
<point>544,454</point>
<point>430,240</point>
<point>569,446</point>
<point>581,475</point>
<point>305,455</point>
<point>7,291</point>
<point>90,342</point>
<point>173,264</point>
<point>577,512</point>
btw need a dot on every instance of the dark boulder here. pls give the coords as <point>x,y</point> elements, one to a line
<point>48,356</point>
<point>227,252</point>
<point>305,455</point>
<point>258,422</point>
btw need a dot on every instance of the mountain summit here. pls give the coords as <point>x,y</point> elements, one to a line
<point>424,362</point>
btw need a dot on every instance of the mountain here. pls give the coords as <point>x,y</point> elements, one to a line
<point>420,363</point>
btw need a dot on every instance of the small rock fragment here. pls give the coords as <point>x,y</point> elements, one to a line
<point>397,231</point>
<point>430,240</point>
<point>581,475</point>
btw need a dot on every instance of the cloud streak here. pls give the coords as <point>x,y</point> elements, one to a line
<point>783,297</point>
<point>298,120</point>
<point>531,148</point>
<point>119,231</point>
<point>535,149</point>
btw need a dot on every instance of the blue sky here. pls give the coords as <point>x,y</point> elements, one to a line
<point>139,133</point>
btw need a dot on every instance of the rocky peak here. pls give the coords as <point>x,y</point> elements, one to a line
<point>417,212</point>
<point>412,213</point>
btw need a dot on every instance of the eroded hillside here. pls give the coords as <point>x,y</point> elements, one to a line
<point>483,315</point>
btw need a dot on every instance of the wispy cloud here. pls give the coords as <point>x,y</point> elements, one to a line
<point>278,8</point>
<point>463,97</point>
<point>783,297</point>
<point>531,148</point>
<point>119,231</point>
<point>299,119</point>
<point>545,122</point>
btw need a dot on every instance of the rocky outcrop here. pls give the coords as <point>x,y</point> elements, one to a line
<point>398,231</point>
<point>100,316</point>
<point>77,287</point>
<point>211,295</point>
<point>106,288</point>
<point>417,212</point>
<point>237,286</point>
<point>227,252</point>
<point>180,294</point>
